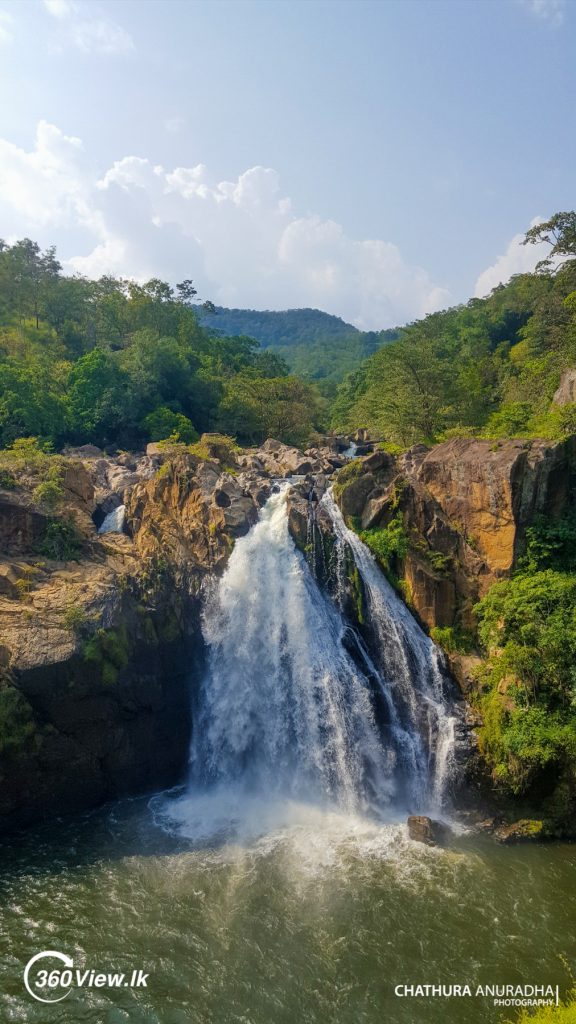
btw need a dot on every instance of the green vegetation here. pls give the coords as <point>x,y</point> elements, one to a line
<point>116,363</point>
<point>74,618</point>
<point>387,543</point>
<point>452,639</point>
<point>351,471</point>
<point>60,541</point>
<point>315,345</point>
<point>563,1014</point>
<point>489,368</point>
<point>109,651</point>
<point>527,626</point>
<point>16,719</point>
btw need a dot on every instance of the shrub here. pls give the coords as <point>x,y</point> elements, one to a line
<point>511,420</point>
<point>527,625</point>
<point>452,639</point>
<point>164,424</point>
<point>74,618</point>
<point>26,453</point>
<point>16,719</point>
<point>387,542</point>
<point>49,493</point>
<point>346,475</point>
<point>7,480</point>
<point>60,541</point>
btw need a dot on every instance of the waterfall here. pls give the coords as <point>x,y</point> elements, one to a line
<point>296,709</point>
<point>284,706</point>
<point>409,669</point>
<point>114,521</point>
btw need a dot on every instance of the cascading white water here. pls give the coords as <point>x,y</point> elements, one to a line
<point>408,663</point>
<point>284,708</point>
<point>294,713</point>
<point>114,521</point>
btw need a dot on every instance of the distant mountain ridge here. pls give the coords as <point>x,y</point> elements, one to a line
<point>277,327</point>
<point>317,345</point>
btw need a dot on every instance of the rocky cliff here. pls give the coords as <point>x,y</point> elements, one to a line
<point>465,506</point>
<point>100,639</point>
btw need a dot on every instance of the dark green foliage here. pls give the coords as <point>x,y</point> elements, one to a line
<point>551,544</point>
<point>315,345</point>
<point>164,423</point>
<point>117,364</point>
<point>109,651</point>
<point>60,541</point>
<point>527,625</point>
<point>16,719</point>
<point>489,368</point>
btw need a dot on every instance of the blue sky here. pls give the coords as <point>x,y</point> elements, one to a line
<point>375,159</point>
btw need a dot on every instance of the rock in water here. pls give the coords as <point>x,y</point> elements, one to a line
<point>425,830</point>
<point>526,830</point>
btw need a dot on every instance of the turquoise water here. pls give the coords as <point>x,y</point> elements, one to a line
<point>297,916</point>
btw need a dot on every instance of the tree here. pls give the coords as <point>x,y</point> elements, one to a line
<point>186,292</point>
<point>100,398</point>
<point>558,232</point>
<point>254,408</point>
<point>164,423</point>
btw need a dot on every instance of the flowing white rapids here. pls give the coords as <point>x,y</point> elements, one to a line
<point>283,704</point>
<point>293,712</point>
<point>114,521</point>
<point>409,663</point>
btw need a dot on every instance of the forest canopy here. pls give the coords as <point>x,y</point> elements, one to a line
<point>118,363</point>
<point>489,368</point>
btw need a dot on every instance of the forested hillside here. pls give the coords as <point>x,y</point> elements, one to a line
<point>315,345</point>
<point>118,363</point>
<point>490,367</point>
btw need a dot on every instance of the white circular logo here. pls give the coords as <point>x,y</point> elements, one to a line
<point>56,978</point>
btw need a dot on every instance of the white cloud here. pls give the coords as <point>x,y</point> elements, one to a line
<point>60,8</point>
<point>518,259</point>
<point>550,11</point>
<point>90,34</point>
<point>239,240</point>
<point>6,22</point>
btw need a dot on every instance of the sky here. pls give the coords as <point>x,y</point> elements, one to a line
<point>378,160</point>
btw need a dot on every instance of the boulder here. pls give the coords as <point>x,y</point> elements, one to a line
<point>526,830</point>
<point>422,829</point>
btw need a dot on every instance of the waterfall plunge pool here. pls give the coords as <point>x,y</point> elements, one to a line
<point>315,920</point>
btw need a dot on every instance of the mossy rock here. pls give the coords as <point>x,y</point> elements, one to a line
<point>17,724</point>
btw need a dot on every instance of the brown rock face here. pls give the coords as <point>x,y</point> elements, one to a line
<point>188,513</point>
<point>97,655</point>
<point>466,505</point>
<point>492,491</point>
<point>566,393</point>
